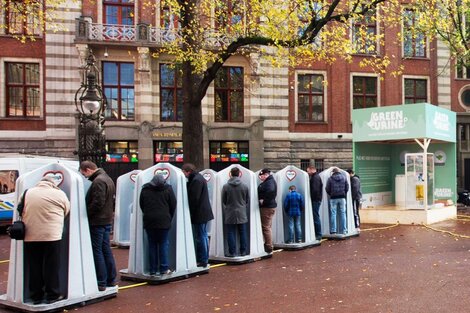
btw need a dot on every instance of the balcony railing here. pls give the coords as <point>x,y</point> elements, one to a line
<point>109,32</point>
<point>124,33</point>
<point>140,33</point>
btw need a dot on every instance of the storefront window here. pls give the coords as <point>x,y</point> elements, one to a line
<point>122,152</point>
<point>169,151</point>
<point>224,153</point>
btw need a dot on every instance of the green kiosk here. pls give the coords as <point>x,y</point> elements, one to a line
<point>405,156</point>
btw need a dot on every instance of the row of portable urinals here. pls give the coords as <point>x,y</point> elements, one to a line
<point>128,225</point>
<point>78,278</point>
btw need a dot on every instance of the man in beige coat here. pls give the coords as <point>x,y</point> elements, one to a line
<point>45,207</point>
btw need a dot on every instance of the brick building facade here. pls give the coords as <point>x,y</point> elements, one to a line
<point>275,120</point>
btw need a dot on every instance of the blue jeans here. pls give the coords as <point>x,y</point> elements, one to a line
<point>201,241</point>
<point>316,218</point>
<point>105,266</point>
<point>231,237</point>
<point>158,249</point>
<point>339,204</point>
<point>295,220</point>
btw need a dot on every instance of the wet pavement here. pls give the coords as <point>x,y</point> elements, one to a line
<point>385,269</point>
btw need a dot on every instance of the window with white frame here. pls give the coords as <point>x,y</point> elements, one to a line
<point>364,92</point>
<point>309,10</point>
<point>414,40</point>
<point>310,97</point>
<point>364,33</point>
<point>22,17</point>
<point>415,90</point>
<point>22,90</point>
<point>462,68</point>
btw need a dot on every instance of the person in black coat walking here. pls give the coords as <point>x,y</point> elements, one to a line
<point>200,210</point>
<point>158,204</point>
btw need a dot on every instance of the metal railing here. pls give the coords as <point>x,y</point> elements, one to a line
<point>140,33</point>
<point>109,32</point>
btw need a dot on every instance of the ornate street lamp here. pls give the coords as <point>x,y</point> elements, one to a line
<point>91,103</point>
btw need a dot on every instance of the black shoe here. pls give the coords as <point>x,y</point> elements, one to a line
<point>50,301</point>
<point>229,255</point>
<point>299,241</point>
<point>202,265</point>
<point>243,253</point>
<point>101,288</point>
<point>113,284</point>
<point>38,301</point>
<point>268,249</point>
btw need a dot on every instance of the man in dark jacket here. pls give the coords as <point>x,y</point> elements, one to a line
<point>158,204</point>
<point>267,192</point>
<point>316,193</point>
<point>337,188</point>
<point>100,208</point>
<point>235,206</point>
<point>200,210</point>
<point>356,196</point>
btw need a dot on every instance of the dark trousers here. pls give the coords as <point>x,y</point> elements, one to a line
<point>158,249</point>
<point>201,242</point>
<point>316,219</point>
<point>232,235</point>
<point>42,263</point>
<point>357,207</point>
<point>102,255</point>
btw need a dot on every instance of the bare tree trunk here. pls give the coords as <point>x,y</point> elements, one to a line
<point>193,141</point>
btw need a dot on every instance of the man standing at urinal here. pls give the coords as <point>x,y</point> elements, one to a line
<point>316,193</point>
<point>45,207</point>
<point>267,192</point>
<point>337,188</point>
<point>200,210</point>
<point>100,207</point>
<point>158,204</point>
<point>235,206</point>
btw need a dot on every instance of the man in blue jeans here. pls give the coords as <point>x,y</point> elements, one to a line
<point>200,210</point>
<point>100,206</point>
<point>235,207</point>
<point>337,188</point>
